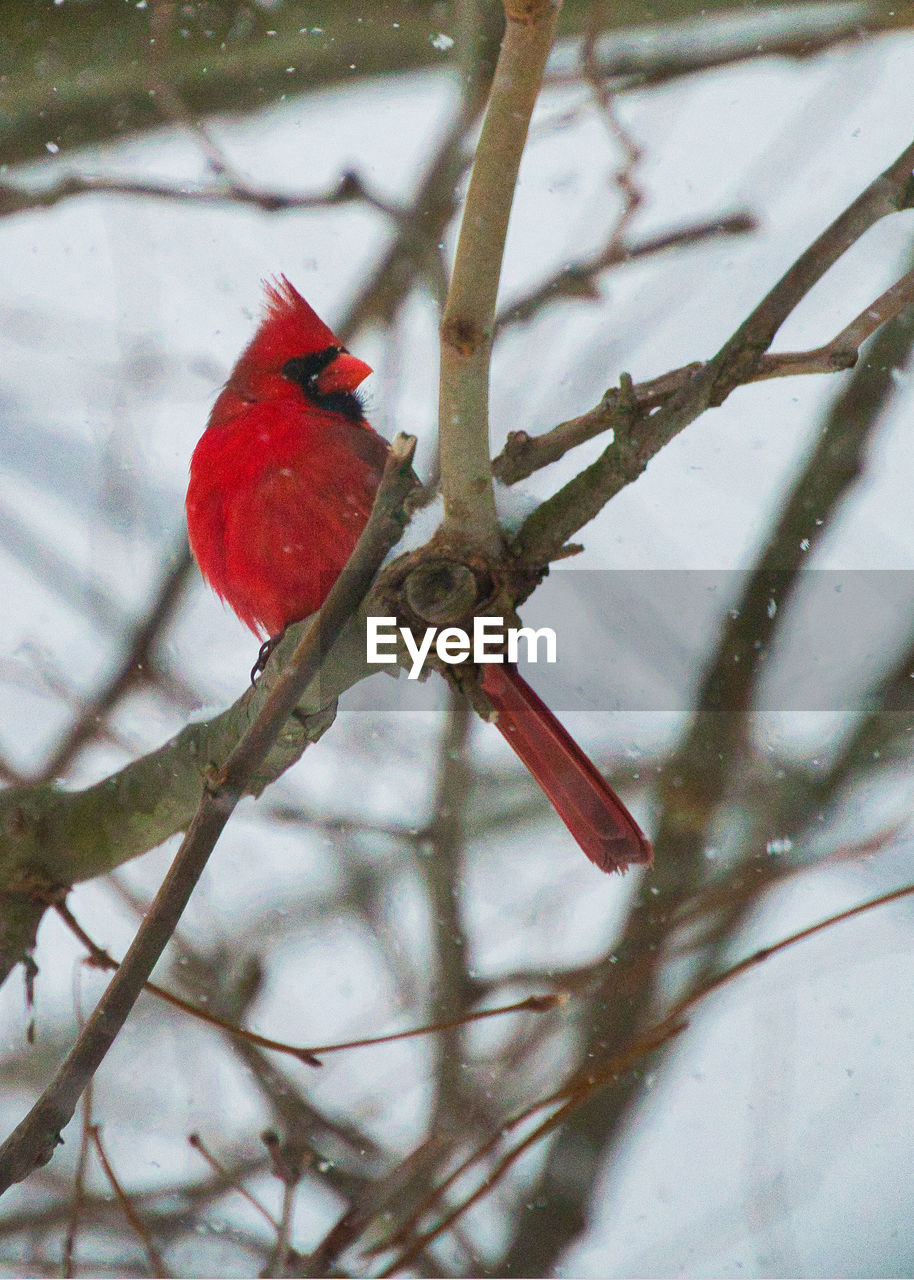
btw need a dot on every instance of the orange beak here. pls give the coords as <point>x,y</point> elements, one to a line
<point>343,374</point>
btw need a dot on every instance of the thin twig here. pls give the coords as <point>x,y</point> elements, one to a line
<point>79,1177</point>
<point>532,1004</point>
<point>216,1165</point>
<point>309,1055</point>
<point>349,188</point>
<point>283,1248</point>
<point>102,960</point>
<point>156,1261</point>
<point>133,668</point>
<point>595,1076</point>
<point>624,178</point>
<point>843,350</point>
<point>632,57</point>
<point>579,279</point>
<point>288,1166</point>
<point>638,438</point>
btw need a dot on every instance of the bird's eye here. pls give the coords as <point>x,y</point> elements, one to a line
<point>305,370</point>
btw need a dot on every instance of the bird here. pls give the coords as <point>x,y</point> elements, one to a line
<point>281,485</point>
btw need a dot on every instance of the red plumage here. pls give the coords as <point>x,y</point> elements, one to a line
<point>281,485</point>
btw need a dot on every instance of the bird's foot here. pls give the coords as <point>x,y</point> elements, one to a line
<point>263,657</point>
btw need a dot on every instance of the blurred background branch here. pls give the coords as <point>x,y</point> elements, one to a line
<point>78,72</point>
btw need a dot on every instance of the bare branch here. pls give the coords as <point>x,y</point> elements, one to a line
<point>652,54</point>
<point>579,279</point>
<point>638,437</point>
<point>133,668</point>
<point>350,188</point>
<point>33,1141</point>
<point>523,454</point>
<point>844,348</point>
<point>595,1076</point>
<point>467,325</point>
<point>156,1261</point>
<point>738,359</point>
<point>79,1185</point>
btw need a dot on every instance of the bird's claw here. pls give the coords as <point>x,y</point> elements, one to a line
<point>263,656</point>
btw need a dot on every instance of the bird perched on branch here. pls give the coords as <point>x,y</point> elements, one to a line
<point>281,485</point>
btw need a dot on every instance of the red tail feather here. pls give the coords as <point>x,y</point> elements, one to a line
<point>582,797</point>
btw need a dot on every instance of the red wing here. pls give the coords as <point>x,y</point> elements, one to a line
<point>364,442</point>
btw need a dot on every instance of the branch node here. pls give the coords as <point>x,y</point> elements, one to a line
<point>463,336</point>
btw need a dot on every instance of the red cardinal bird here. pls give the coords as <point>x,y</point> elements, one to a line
<point>281,485</point>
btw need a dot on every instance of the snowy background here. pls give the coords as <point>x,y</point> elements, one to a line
<point>774,1140</point>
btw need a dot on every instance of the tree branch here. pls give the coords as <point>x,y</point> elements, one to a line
<point>741,359</point>
<point>134,667</point>
<point>468,323</point>
<point>844,348</point>
<point>33,1141</point>
<point>350,188</point>
<point>579,279</point>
